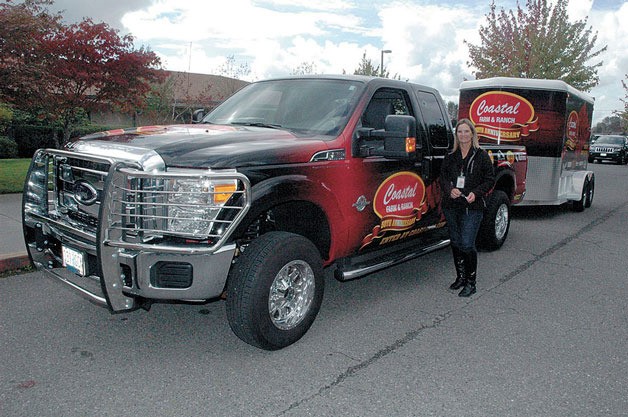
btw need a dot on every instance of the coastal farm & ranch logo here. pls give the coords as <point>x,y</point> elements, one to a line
<point>503,116</point>
<point>399,202</point>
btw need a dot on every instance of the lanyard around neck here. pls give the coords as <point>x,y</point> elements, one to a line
<point>468,167</point>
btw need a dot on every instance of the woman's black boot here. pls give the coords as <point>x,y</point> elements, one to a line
<point>459,264</point>
<point>471,266</point>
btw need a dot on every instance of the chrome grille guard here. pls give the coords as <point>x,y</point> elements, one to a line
<point>139,209</point>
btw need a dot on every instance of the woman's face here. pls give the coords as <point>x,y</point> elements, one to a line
<point>465,136</point>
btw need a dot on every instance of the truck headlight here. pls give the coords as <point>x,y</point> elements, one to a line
<point>194,204</point>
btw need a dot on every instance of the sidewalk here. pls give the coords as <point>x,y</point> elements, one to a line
<point>12,247</point>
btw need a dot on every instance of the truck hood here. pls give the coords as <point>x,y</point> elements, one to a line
<point>208,146</point>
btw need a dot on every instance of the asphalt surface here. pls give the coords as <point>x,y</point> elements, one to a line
<point>546,335</point>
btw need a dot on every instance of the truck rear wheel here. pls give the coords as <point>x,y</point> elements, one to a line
<point>496,222</point>
<point>275,290</point>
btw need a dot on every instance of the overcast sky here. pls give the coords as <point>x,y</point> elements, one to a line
<point>274,37</point>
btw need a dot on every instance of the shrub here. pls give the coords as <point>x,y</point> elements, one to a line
<point>8,148</point>
<point>29,138</point>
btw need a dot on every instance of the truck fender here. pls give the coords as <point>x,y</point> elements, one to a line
<point>282,190</point>
<point>505,180</point>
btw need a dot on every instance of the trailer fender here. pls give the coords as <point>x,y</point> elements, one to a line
<point>580,179</point>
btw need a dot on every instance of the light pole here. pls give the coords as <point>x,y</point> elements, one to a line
<point>381,67</point>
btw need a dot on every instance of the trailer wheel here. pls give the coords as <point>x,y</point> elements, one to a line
<point>275,290</point>
<point>579,205</point>
<point>496,222</point>
<point>590,193</point>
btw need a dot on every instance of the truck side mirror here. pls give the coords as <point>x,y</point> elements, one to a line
<point>198,115</point>
<point>396,141</point>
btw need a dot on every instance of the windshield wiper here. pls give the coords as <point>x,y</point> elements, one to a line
<point>257,124</point>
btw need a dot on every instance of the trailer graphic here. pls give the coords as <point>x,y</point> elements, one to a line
<point>551,119</point>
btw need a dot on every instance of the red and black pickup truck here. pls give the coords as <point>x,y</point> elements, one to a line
<point>284,179</point>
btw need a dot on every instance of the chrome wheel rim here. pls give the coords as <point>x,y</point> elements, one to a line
<point>291,294</point>
<point>501,222</point>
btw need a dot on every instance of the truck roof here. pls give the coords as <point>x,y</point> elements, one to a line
<point>371,80</point>
<point>527,83</point>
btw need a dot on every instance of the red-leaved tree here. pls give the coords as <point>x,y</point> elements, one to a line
<point>93,67</point>
<point>71,68</point>
<point>23,28</point>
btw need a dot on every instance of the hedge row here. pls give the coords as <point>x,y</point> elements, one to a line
<point>29,138</point>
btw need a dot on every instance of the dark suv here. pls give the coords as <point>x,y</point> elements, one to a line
<point>609,148</point>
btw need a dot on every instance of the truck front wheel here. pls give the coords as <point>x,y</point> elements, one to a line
<point>275,290</point>
<point>496,222</point>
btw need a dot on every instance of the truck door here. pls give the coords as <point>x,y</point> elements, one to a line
<point>395,203</point>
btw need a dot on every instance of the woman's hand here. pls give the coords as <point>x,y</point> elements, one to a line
<point>470,198</point>
<point>455,193</point>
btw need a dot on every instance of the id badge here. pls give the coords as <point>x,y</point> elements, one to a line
<point>460,182</point>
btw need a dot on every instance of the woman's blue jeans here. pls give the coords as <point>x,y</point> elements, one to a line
<point>463,227</point>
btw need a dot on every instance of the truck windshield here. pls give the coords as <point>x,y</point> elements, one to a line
<point>308,106</point>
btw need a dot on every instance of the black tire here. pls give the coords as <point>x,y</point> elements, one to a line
<point>496,222</point>
<point>274,260</point>
<point>590,193</point>
<point>579,205</point>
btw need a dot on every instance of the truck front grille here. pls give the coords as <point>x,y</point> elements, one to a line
<point>68,190</point>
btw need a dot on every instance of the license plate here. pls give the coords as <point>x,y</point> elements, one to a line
<point>74,260</point>
<point>602,154</point>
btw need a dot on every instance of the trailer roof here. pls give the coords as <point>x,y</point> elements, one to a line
<point>528,83</point>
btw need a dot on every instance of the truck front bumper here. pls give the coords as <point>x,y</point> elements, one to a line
<point>118,277</point>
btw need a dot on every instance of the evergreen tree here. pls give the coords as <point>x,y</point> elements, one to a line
<point>366,67</point>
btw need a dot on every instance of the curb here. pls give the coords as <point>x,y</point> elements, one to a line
<point>14,261</point>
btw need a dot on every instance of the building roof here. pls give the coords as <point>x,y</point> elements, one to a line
<point>201,89</point>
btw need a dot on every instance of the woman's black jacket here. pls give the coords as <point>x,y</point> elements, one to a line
<point>479,178</point>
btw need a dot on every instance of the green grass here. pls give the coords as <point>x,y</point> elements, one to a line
<point>12,175</point>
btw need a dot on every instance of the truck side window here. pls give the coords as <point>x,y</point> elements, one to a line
<point>384,102</point>
<point>434,119</point>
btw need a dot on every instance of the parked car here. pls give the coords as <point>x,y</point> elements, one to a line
<point>610,148</point>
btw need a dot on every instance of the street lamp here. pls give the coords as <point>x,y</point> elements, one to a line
<point>381,67</point>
